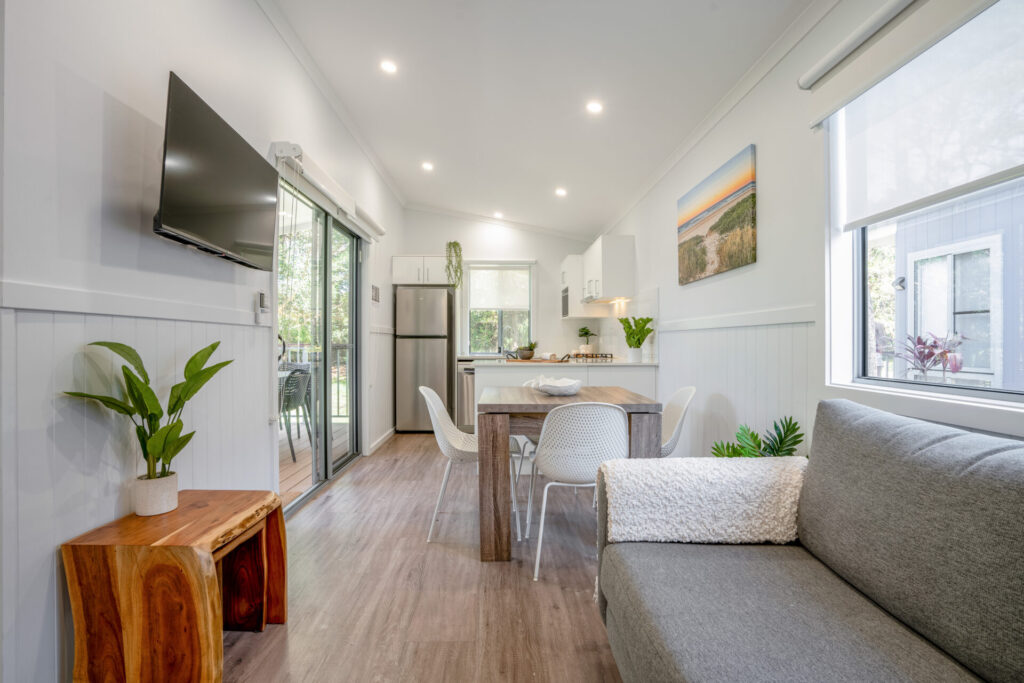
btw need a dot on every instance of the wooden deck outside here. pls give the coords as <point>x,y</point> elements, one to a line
<point>297,477</point>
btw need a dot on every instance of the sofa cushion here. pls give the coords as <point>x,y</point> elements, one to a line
<point>685,612</point>
<point>926,520</point>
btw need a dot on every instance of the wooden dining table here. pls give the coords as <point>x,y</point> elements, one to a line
<point>502,411</point>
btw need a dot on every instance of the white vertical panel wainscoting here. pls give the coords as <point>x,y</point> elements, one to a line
<point>66,463</point>
<point>381,408</point>
<point>744,375</point>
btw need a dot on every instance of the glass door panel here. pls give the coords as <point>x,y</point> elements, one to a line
<point>343,250</point>
<point>300,318</point>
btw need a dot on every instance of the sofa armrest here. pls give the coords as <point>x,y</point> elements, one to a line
<point>698,500</point>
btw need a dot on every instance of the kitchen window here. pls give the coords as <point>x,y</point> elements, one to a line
<point>928,176</point>
<point>498,311</point>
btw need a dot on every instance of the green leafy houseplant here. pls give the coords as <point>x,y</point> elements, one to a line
<point>159,442</point>
<point>585,334</point>
<point>636,331</point>
<point>781,439</point>
<point>453,265</point>
<point>530,346</point>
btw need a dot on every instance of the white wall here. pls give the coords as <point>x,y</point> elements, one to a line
<point>426,233</point>
<point>753,340</point>
<point>84,95</point>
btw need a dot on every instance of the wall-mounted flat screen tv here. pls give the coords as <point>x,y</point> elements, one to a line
<point>218,194</point>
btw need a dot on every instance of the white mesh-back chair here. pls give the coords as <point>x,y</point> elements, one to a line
<point>458,447</point>
<point>575,439</point>
<point>672,419</point>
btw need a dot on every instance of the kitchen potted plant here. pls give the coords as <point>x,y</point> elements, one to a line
<point>585,334</point>
<point>526,352</point>
<point>637,331</point>
<point>156,492</point>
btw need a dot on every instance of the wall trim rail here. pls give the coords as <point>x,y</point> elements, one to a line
<point>769,316</point>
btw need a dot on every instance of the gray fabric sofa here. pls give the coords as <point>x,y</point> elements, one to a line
<point>909,567</point>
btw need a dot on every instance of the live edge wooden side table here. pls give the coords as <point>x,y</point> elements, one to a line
<point>151,596</point>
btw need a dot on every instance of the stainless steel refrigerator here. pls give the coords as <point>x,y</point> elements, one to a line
<point>424,353</point>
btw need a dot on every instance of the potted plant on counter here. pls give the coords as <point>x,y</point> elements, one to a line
<point>637,331</point>
<point>526,352</point>
<point>156,492</point>
<point>585,334</point>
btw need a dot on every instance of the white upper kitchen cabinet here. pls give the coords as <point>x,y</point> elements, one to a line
<point>433,270</point>
<point>418,270</point>
<point>609,269</point>
<point>572,292</point>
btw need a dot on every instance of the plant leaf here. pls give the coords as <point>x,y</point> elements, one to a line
<point>140,432</point>
<point>158,442</point>
<point>175,402</point>
<point>783,438</point>
<point>117,405</point>
<point>195,383</point>
<point>749,442</point>
<point>199,358</point>
<point>142,395</point>
<point>722,449</point>
<point>129,354</point>
<point>173,449</point>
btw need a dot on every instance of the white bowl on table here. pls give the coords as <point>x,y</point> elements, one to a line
<point>556,386</point>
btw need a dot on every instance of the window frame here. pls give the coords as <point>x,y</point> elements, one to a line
<point>466,309</point>
<point>861,322</point>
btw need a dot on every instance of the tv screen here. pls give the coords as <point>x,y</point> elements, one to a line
<point>218,194</point>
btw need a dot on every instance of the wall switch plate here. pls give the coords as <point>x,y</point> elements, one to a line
<point>261,307</point>
<point>375,293</point>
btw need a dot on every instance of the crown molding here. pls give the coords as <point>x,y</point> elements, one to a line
<point>504,222</point>
<point>291,39</point>
<point>776,52</point>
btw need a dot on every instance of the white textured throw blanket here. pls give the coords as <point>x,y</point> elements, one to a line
<point>703,500</point>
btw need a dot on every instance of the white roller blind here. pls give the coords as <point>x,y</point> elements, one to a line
<point>499,287</point>
<point>952,116</point>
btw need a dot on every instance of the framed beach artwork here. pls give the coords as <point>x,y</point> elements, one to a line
<point>716,222</point>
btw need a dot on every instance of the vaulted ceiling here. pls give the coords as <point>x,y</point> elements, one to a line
<point>494,93</point>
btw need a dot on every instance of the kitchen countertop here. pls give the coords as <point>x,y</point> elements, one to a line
<point>553,367</point>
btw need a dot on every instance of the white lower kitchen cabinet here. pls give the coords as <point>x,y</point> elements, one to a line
<point>641,378</point>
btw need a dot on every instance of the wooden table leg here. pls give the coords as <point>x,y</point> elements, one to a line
<point>645,435</point>
<point>495,506</point>
<point>244,585</point>
<point>277,568</point>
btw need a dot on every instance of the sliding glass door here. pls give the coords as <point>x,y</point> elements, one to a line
<point>317,310</point>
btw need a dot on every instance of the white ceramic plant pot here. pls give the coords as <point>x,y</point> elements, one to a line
<point>586,348</point>
<point>155,496</point>
<point>635,355</point>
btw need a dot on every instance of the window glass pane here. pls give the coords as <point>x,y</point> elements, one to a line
<point>931,294</point>
<point>953,276</point>
<point>499,287</point>
<point>515,329</point>
<point>976,329</point>
<point>971,281</point>
<point>950,116</point>
<point>483,331</point>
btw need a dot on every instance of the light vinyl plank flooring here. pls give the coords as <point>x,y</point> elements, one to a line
<point>370,600</point>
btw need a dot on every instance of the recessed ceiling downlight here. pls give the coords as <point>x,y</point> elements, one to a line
<point>595,107</point>
<point>388,67</point>
<point>427,166</point>
<point>561,191</point>
<point>499,215</point>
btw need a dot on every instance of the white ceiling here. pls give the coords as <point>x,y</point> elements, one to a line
<point>493,92</point>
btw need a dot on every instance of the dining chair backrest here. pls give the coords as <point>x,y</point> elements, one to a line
<point>294,392</point>
<point>672,419</point>
<point>576,438</point>
<point>453,442</point>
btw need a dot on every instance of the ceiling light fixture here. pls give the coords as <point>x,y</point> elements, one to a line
<point>499,215</point>
<point>561,191</point>
<point>388,67</point>
<point>427,165</point>
<point>595,107</point>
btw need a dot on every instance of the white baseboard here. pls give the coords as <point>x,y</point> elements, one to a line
<point>380,441</point>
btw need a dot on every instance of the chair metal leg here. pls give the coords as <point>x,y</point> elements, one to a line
<point>540,533</point>
<point>515,503</point>
<point>288,433</point>
<point>305,417</point>
<point>440,495</point>
<point>529,500</point>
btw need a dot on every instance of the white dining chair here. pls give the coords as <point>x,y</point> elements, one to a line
<point>458,447</point>
<point>672,419</point>
<point>575,439</point>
